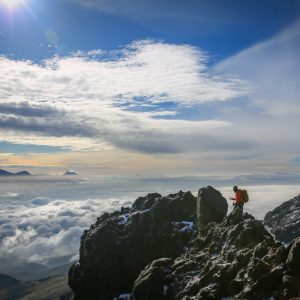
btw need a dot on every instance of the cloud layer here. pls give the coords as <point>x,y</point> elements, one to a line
<point>240,115</point>
<point>42,222</point>
<point>47,229</point>
<point>115,98</point>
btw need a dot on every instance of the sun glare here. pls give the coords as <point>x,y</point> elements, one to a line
<point>11,4</point>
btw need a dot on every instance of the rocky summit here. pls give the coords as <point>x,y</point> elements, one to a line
<point>187,248</point>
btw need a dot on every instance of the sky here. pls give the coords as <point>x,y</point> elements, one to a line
<point>150,88</point>
<point>150,96</point>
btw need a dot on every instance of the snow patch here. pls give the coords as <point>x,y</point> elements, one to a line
<point>124,219</point>
<point>123,297</point>
<point>141,212</point>
<point>165,287</point>
<point>185,225</point>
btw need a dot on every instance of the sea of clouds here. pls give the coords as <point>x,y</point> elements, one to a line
<point>42,222</point>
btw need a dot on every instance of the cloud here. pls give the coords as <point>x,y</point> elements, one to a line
<point>26,110</point>
<point>55,127</point>
<point>268,116</point>
<point>112,100</point>
<point>46,229</point>
<point>273,68</point>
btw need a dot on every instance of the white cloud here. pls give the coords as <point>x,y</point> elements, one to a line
<point>52,229</point>
<point>91,103</point>
<point>45,228</point>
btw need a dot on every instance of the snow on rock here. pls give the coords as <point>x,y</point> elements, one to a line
<point>70,172</point>
<point>123,297</point>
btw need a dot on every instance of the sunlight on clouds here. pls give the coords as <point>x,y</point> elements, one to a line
<point>94,97</point>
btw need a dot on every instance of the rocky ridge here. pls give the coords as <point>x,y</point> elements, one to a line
<point>284,221</point>
<point>154,251</point>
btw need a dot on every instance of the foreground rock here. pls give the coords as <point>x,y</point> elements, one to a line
<point>237,258</point>
<point>284,220</point>
<point>119,245</point>
<point>152,252</point>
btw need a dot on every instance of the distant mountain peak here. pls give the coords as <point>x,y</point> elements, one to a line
<point>6,173</point>
<point>70,172</point>
<point>23,173</point>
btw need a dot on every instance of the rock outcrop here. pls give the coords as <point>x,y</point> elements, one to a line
<point>119,245</point>
<point>211,206</point>
<point>284,220</point>
<point>153,252</point>
<point>236,259</point>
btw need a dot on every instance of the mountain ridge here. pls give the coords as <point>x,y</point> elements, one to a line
<point>7,173</point>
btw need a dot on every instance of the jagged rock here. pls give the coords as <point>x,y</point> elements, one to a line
<point>237,258</point>
<point>284,220</point>
<point>119,245</point>
<point>152,252</point>
<point>211,206</point>
<point>293,260</point>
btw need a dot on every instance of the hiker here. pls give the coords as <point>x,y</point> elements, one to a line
<point>239,203</point>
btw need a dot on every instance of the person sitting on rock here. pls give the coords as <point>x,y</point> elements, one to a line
<point>239,204</point>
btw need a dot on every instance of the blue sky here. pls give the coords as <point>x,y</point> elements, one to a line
<point>135,87</point>
<point>220,28</point>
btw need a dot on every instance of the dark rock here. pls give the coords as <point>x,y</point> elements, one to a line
<point>293,260</point>
<point>291,286</point>
<point>211,206</point>
<point>152,283</point>
<point>284,220</point>
<point>115,249</point>
<point>234,257</point>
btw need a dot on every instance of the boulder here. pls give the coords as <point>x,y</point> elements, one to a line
<point>211,206</point>
<point>284,220</point>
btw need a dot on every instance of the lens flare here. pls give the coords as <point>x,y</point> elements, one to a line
<point>11,4</point>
